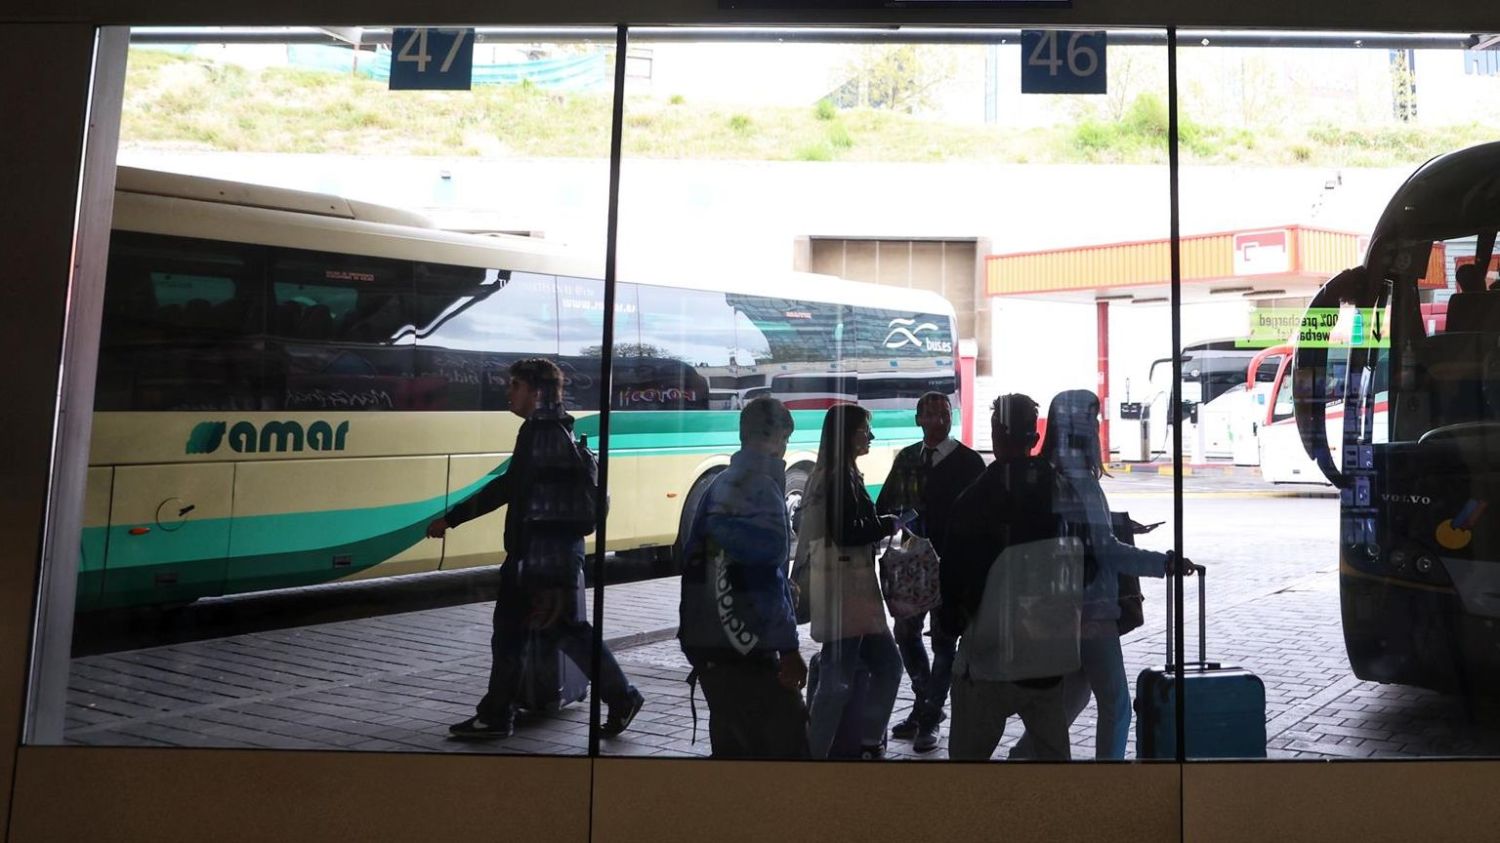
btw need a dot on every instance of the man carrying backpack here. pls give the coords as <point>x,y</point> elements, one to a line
<point>549,506</point>
<point>737,626</point>
<point>1009,506</point>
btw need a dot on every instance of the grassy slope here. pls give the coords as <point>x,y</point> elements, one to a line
<point>179,102</point>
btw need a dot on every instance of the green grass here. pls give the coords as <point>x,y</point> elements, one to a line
<point>180,102</point>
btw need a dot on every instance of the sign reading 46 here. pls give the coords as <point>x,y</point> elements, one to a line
<point>432,59</point>
<point>1055,61</point>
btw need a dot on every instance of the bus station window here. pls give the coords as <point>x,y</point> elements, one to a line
<point>296,509</point>
<point>866,234</point>
<point>1347,605</point>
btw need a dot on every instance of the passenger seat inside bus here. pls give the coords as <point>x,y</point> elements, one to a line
<point>1454,365</point>
<point>1469,312</point>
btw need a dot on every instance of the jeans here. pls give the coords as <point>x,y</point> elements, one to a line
<point>980,709</point>
<point>750,714</point>
<point>836,666</point>
<point>573,635</point>
<point>1103,674</point>
<point>929,683</point>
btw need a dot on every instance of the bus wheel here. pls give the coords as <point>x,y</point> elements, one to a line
<point>685,520</point>
<point>796,484</point>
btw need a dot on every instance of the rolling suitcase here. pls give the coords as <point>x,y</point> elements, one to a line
<point>549,680</point>
<point>1224,707</point>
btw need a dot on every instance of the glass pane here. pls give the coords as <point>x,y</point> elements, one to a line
<point>1349,550</point>
<point>306,371</point>
<point>845,230</point>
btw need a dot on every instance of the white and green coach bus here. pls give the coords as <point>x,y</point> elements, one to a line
<point>292,385</point>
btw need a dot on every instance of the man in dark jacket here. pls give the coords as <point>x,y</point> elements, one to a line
<point>926,478</point>
<point>738,629</point>
<point>543,561</point>
<point>1010,505</point>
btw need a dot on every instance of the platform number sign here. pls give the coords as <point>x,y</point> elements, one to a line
<point>430,59</point>
<point>1059,61</point>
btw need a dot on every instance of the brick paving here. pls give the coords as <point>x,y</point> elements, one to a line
<point>395,682</point>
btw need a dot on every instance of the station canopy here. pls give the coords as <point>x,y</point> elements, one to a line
<point>1283,262</point>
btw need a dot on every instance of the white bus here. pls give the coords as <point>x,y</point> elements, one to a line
<point>292,385</point>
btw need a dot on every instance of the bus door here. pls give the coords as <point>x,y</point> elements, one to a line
<point>178,359</point>
<point>1255,403</point>
<point>1282,457</point>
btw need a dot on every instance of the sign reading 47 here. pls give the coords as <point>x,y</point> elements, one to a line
<point>432,59</point>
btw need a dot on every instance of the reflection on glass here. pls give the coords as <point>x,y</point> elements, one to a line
<point>294,384</point>
<point>1364,291</point>
<point>943,275</point>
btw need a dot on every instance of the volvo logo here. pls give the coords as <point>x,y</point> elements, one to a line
<point>1421,499</point>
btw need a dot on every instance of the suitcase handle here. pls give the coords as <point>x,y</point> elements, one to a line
<point>1200,571</point>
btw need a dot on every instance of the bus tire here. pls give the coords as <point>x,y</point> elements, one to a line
<point>796,485</point>
<point>685,520</point>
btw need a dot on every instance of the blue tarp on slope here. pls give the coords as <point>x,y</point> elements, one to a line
<point>584,72</point>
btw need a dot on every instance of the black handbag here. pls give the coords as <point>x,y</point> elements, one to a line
<point>1132,602</point>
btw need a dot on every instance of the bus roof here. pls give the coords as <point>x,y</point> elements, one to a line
<point>203,189</point>
<point>180,205</point>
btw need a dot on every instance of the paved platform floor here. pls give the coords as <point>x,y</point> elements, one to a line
<point>395,682</point>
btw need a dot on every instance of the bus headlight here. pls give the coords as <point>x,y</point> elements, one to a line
<point>1399,559</point>
<point>1425,564</point>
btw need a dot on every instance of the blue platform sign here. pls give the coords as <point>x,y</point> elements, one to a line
<point>1060,61</point>
<point>431,59</point>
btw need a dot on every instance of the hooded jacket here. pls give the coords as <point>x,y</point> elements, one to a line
<point>736,602</point>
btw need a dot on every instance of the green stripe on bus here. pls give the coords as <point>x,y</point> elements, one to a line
<point>302,548</point>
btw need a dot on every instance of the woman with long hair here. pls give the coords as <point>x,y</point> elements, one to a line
<point>1071,444</point>
<point>839,532</point>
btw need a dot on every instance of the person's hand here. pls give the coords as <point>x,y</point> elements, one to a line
<point>792,674</point>
<point>1181,564</point>
<point>437,528</point>
<point>546,607</point>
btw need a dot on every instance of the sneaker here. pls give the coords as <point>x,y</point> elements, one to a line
<point>478,729</point>
<point>621,714</point>
<point>927,738</point>
<point>906,729</point>
<point>872,753</point>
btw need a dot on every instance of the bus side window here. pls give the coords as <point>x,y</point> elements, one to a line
<point>904,355</point>
<point>340,333</point>
<point>179,326</point>
<point>580,336</point>
<point>1282,409</point>
<point>472,324</point>
<point>687,337</point>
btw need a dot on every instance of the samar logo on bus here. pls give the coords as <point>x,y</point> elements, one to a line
<point>282,436</point>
